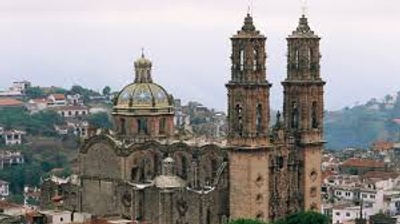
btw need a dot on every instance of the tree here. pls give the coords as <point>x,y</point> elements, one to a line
<point>106,91</point>
<point>34,92</point>
<point>309,217</point>
<point>246,221</point>
<point>100,120</point>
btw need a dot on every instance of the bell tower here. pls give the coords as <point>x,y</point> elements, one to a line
<point>248,119</point>
<point>248,89</point>
<point>303,108</point>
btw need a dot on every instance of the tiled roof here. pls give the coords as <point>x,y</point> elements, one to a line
<point>59,96</point>
<point>354,162</point>
<point>64,108</point>
<point>41,100</point>
<point>382,146</point>
<point>381,175</point>
<point>10,102</point>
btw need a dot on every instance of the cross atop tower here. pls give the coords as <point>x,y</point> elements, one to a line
<point>304,7</point>
<point>250,7</point>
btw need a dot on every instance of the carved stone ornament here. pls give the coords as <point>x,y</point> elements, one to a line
<point>182,206</point>
<point>313,175</point>
<point>126,199</point>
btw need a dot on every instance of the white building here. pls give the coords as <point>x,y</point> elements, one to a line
<point>378,191</point>
<point>31,197</point>
<point>36,105</point>
<point>344,213</point>
<point>75,100</point>
<point>4,188</point>
<point>9,158</point>
<point>80,128</point>
<point>57,100</point>
<point>73,111</point>
<point>12,137</point>
<point>20,86</point>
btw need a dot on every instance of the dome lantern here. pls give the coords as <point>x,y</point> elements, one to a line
<point>143,70</point>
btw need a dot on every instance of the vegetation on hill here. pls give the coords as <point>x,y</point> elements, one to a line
<point>308,217</point>
<point>41,123</point>
<point>100,120</point>
<point>361,125</point>
<point>40,159</point>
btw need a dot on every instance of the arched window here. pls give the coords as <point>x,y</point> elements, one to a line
<point>142,126</point>
<point>297,58</point>
<point>314,115</point>
<point>241,62</point>
<point>255,60</point>
<point>184,167</point>
<point>295,115</point>
<point>214,168</point>
<point>123,126</point>
<point>259,118</point>
<point>239,114</point>
<point>208,216</point>
<point>157,162</point>
<point>162,125</point>
<point>309,57</point>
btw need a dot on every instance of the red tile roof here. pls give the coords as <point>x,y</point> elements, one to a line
<point>59,96</point>
<point>66,108</point>
<point>381,175</point>
<point>9,102</point>
<point>41,100</point>
<point>382,146</point>
<point>354,162</point>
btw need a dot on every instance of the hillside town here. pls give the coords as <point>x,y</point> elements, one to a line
<point>140,154</point>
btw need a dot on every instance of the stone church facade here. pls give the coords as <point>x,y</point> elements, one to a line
<point>140,171</point>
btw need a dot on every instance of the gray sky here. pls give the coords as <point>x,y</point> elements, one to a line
<point>94,42</point>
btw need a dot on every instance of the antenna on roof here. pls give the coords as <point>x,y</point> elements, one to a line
<point>304,7</point>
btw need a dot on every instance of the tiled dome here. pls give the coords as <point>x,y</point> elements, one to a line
<point>143,95</point>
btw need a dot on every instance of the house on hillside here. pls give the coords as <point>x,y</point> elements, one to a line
<point>57,100</point>
<point>72,111</point>
<point>20,86</point>
<point>4,188</point>
<point>9,159</point>
<point>75,100</point>
<point>11,137</point>
<point>39,104</point>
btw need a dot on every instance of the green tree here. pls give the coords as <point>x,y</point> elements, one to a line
<point>309,217</point>
<point>100,120</point>
<point>106,91</point>
<point>34,92</point>
<point>246,221</point>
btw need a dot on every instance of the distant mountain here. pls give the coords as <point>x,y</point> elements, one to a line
<point>361,125</point>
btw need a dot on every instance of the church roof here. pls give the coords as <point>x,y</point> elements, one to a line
<point>143,93</point>
<point>303,30</point>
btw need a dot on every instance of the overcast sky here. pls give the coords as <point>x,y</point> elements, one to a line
<point>94,42</point>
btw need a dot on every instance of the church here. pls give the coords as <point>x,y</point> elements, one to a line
<point>264,171</point>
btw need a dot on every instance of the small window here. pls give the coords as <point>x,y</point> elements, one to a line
<point>142,126</point>
<point>364,195</point>
<point>162,126</point>
<point>372,196</point>
<point>337,213</point>
<point>347,214</point>
<point>241,60</point>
